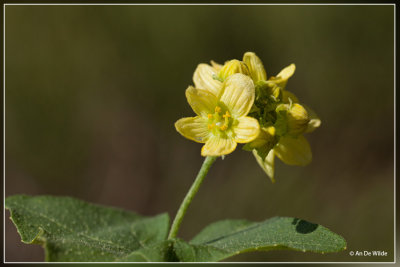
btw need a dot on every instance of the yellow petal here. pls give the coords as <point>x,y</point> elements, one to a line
<point>202,101</point>
<point>255,66</point>
<point>203,79</point>
<point>246,130</point>
<point>283,76</point>
<point>231,67</point>
<point>193,128</point>
<point>287,72</point>
<point>314,122</point>
<point>265,139</point>
<point>267,164</point>
<point>297,119</point>
<point>293,150</point>
<point>217,146</point>
<point>238,94</point>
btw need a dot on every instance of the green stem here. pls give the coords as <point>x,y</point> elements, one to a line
<point>190,195</point>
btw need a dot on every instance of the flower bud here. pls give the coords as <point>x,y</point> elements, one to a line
<point>292,119</point>
<point>256,68</point>
<point>232,67</point>
<point>297,119</point>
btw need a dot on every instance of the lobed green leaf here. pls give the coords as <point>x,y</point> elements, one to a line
<point>71,230</point>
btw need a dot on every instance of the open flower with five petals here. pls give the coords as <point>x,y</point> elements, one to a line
<point>221,120</point>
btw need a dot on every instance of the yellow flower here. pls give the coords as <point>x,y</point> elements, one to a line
<point>278,112</point>
<point>283,119</point>
<point>291,150</point>
<point>221,120</point>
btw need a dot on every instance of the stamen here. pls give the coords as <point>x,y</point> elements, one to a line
<point>210,126</point>
<point>227,115</point>
<point>223,127</point>
<point>217,109</point>
<point>210,116</point>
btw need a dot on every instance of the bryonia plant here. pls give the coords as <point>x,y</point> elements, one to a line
<point>234,103</point>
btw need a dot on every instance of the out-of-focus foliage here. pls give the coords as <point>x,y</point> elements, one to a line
<point>92,93</point>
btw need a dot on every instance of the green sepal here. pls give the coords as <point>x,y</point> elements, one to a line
<point>281,122</point>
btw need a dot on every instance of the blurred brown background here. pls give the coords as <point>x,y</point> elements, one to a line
<point>92,93</point>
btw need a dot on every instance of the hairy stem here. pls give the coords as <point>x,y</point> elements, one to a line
<point>208,161</point>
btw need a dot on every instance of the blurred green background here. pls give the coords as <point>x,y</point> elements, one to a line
<point>92,94</point>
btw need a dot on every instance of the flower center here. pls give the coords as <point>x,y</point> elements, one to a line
<point>218,122</point>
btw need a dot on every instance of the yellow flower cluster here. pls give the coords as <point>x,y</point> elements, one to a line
<point>236,103</point>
